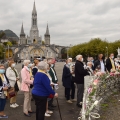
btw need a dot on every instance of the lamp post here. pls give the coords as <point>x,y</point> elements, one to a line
<point>4,56</point>
<point>107,51</point>
<point>8,51</point>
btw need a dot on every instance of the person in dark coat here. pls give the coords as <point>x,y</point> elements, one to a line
<point>80,72</point>
<point>100,64</point>
<point>110,64</point>
<point>66,79</point>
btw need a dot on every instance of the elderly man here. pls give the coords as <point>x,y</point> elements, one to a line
<point>110,64</point>
<point>80,72</point>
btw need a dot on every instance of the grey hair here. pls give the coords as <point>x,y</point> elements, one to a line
<point>26,61</point>
<point>89,63</point>
<point>42,65</point>
<point>78,56</point>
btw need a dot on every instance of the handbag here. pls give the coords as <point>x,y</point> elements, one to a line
<point>19,84</point>
<point>51,96</point>
<point>10,93</point>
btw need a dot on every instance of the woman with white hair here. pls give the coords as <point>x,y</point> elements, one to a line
<point>25,86</point>
<point>41,90</point>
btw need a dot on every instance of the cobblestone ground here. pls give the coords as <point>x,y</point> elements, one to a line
<point>111,109</point>
<point>68,111</point>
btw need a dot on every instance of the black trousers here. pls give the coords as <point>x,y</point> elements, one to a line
<point>72,90</point>
<point>40,103</point>
<point>67,93</point>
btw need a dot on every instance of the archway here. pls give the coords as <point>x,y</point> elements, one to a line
<point>64,53</point>
<point>36,52</point>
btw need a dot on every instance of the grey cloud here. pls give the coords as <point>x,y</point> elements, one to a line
<point>70,21</point>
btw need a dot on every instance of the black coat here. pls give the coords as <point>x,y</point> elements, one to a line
<point>80,72</point>
<point>98,65</point>
<point>109,64</point>
<point>66,77</point>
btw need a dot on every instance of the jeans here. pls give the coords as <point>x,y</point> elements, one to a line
<point>80,91</point>
<point>40,103</point>
<point>2,104</point>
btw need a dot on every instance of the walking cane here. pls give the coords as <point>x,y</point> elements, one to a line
<point>59,109</point>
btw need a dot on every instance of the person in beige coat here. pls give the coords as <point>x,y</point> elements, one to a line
<point>13,77</point>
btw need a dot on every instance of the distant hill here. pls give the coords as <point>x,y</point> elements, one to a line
<point>10,34</point>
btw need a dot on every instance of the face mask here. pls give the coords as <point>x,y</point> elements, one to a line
<point>69,63</point>
<point>30,65</point>
<point>2,71</point>
<point>112,57</point>
<point>82,60</point>
<point>47,70</point>
<point>52,65</point>
<point>13,65</point>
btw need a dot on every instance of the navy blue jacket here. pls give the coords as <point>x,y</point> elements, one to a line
<point>42,85</point>
<point>66,77</point>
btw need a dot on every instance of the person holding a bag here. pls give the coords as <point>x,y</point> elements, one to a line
<point>13,77</point>
<point>4,86</point>
<point>25,87</point>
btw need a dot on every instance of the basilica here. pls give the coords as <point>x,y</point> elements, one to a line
<point>32,45</point>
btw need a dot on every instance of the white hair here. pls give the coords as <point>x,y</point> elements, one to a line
<point>89,63</point>
<point>78,56</point>
<point>42,65</point>
<point>26,62</point>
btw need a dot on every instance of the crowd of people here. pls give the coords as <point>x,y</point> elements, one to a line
<point>74,74</point>
<point>39,82</point>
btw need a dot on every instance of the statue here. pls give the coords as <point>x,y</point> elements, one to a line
<point>118,50</point>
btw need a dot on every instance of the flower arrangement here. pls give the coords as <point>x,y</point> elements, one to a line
<point>100,88</point>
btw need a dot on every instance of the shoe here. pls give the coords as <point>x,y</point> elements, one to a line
<point>12,106</point>
<point>27,115</point>
<point>73,100</point>
<point>16,104</point>
<point>3,116</point>
<point>50,108</point>
<point>49,112</point>
<point>69,101</point>
<point>80,106</point>
<point>47,115</point>
<point>31,112</point>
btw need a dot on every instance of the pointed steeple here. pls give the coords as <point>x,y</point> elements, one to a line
<point>34,9</point>
<point>47,30</point>
<point>22,31</point>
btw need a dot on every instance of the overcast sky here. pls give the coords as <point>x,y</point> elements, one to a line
<point>70,21</point>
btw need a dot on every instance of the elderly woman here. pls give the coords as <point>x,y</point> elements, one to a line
<point>41,90</point>
<point>25,86</point>
<point>4,85</point>
<point>13,77</point>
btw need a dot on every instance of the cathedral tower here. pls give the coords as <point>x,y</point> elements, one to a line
<point>34,32</point>
<point>22,36</point>
<point>47,36</point>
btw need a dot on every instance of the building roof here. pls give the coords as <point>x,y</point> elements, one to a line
<point>22,31</point>
<point>47,31</point>
<point>34,9</point>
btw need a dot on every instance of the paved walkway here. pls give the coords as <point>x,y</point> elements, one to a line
<point>68,111</point>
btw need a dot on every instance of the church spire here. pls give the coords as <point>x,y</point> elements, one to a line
<point>22,31</point>
<point>47,30</point>
<point>34,9</point>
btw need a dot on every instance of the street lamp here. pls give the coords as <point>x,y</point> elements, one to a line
<point>8,51</point>
<point>4,56</point>
<point>107,51</point>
